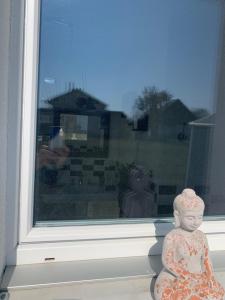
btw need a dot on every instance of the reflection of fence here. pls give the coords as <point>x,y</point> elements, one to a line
<point>90,175</point>
<point>102,184</point>
<point>93,175</point>
<point>80,206</point>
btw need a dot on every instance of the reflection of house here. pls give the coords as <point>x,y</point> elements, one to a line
<point>170,121</point>
<point>173,120</point>
<point>77,100</point>
<point>45,122</point>
<point>199,150</point>
<point>84,121</point>
<point>88,170</point>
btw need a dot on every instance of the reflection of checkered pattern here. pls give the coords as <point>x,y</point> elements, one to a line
<point>91,171</point>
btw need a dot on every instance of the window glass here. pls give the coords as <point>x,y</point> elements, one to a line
<point>129,110</point>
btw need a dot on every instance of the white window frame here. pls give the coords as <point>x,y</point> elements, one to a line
<point>78,242</point>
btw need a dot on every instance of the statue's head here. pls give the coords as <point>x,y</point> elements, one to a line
<point>188,210</point>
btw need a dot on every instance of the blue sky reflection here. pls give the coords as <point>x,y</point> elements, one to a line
<point>113,49</point>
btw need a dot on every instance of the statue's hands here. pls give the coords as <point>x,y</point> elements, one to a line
<point>196,276</point>
<point>205,280</point>
<point>213,283</point>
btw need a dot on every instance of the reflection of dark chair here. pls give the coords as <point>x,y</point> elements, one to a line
<point>165,195</point>
<point>138,201</point>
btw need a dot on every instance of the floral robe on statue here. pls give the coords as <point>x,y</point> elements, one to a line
<point>187,273</point>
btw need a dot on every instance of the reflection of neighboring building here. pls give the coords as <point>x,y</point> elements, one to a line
<point>174,118</point>
<point>88,177</point>
<point>163,148</point>
<point>199,149</point>
<point>83,119</point>
<point>45,122</point>
<point>168,122</point>
<point>77,100</point>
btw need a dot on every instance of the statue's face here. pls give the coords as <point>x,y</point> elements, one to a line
<point>190,220</point>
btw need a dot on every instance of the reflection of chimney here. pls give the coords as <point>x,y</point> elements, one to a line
<point>66,86</point>
<point>69,86</point>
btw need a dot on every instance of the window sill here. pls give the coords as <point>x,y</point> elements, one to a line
<point>42,275</point>
<point>74,272</point>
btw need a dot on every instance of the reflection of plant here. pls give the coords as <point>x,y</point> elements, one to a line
<point>124,171</point>
<point>128,169</point>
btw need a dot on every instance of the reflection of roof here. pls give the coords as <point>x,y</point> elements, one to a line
<point>175,112</point>
<point>77,99</point>
<point>172,103</point>
<point>205,121</point>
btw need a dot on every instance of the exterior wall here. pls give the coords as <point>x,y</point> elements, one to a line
<point>4,52</point>
<point>11,45</point>
<point>11,28</point>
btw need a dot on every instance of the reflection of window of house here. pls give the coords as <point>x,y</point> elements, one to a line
<point>80,191</point>
<point>74,126</point>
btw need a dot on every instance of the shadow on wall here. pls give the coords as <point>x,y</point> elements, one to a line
<point>153,254</point>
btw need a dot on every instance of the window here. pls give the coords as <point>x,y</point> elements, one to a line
<point>128,111</point>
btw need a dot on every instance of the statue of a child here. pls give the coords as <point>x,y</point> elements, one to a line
<point>187,272</point>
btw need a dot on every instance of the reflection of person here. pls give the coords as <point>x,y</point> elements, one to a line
<point>187,272</point>
<point>138,201</point>
<point>52,157</point>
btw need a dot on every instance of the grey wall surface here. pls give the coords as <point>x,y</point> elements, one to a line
<point>11,47</point>
<point>4,63</point>
<point>217,168</point>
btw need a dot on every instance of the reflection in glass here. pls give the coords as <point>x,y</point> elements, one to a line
<point>74,127</point>
<point>127,108</point>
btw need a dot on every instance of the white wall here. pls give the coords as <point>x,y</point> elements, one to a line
<point>11,46</point>
<point>4,52</point>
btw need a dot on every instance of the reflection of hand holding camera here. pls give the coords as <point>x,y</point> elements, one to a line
<point>54,155</point>
<point>51,158</point>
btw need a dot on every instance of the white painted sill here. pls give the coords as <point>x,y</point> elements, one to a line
<point>76,272</point>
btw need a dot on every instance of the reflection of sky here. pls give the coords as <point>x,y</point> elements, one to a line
<point>115,48</point>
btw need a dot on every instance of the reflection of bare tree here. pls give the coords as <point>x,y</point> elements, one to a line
<point>152,98</point>
<point>151,101</point>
